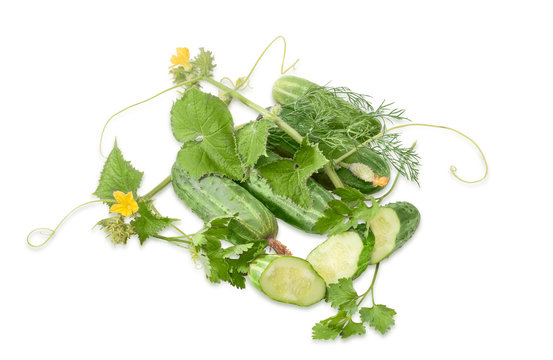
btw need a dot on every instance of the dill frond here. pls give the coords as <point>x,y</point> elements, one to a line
<point>405,160</point>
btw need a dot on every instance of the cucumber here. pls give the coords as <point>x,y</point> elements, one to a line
<point>286,209</point>
<point>287,279</point>
<point>392,226</point>
<point>288,88</point>
<point>214,196</point>
<point>343,255</point>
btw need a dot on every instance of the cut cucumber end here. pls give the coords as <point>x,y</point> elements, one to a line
<point>287,279</point>
<point>385,226</point>
<point>337,257</point>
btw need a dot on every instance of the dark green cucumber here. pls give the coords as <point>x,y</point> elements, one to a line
<point>214,196</point>
<point>392,226</point>
<point>287,279</point>
<point>344,255</point>
<point>286,209</point>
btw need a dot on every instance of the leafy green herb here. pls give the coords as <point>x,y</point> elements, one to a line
<point>204,124</point>
<point>117,174</point>
<point>252,140</point>
<point>228,264</point>
<point>405,160</point>
<point>379,317</point>
<point>149,223</point>
<point>288,177</point>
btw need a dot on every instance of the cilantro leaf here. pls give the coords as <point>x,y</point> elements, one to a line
<point>348,194</point>
<point>342,296</point>
<point>353,328</point>
<point>148,223</point>
<point>330,328</point>
<point>379,317</point>
<point>252,140</point>
<point>117,174</point>
<point>288,177</point>
<point>204,124</point>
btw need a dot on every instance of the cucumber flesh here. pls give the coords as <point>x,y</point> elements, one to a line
<point>287,279</point>
<point>385,226</point>
<point>337,257</point>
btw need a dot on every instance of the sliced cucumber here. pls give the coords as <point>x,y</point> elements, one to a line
<point>287,279</point>
<point>344,255</point>
<point>392,226</point>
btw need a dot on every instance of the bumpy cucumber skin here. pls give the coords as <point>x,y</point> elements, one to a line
<point>214,196</point>
<point>409,219</point>
<point>286,209</point>
<point>260,264</point>
<point>287,89</point>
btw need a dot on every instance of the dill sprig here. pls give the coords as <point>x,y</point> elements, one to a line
<point>405,160</point>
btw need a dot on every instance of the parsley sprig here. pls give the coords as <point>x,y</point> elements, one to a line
<point>343,297</point>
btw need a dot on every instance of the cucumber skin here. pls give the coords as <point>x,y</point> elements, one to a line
<point>365,156</point>
<point>287,89</point>
<point>286,209</point>
<point>214,196</point>
<point>409,219</point>
<point>258,266</point>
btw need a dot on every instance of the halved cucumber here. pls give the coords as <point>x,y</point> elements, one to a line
<point>392,226</point>
<point>344,255</point>
<point>287,279</point>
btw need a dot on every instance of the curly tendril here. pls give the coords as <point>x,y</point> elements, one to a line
<point>49,233</point>
<point>452,169</point>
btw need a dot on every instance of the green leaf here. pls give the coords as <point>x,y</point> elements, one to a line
<point>117,174</point>
<point>342,296</point>
<point>288,177</point>
<point>379,317</point>
<point>330,328</point>
<point>353,328</point>
<point>148,223</point>
<point>349,194</point>
<point>236,250</point>
<point>252,140</point>
<point>204,124</point>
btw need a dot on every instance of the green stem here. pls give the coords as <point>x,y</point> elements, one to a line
<point>158,188</point>
<point>290,131</point>
<point>172,239</point>
<point>370,289</point>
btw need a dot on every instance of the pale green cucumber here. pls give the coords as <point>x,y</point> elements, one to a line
<point>287,279</point>
<point>343,255</point>
<point>288,88</point>
<point>392,226</point>
<point>214,196</point>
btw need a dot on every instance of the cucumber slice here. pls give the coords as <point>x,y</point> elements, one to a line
<point>392,226</point>
<point>341,256</point>
<point>287,279</point>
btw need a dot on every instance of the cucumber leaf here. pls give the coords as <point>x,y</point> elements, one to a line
<point>117,174</point>
<point>288,177</point>
<point>148,223</point>
<point>252,140</point>
<point>203,123</point>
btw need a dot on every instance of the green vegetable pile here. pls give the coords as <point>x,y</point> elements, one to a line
<point>319,159</point>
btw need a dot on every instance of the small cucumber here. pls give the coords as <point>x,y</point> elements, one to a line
<point>343,255</point>
<point>392,226</point>
<point>285,209</point>
<point>287,279</point>
<point>287,89</point>
<point>214,196</point>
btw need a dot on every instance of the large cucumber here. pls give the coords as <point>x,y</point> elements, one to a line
<point>286,209</point>
<point>344,255</point>
<point>214,196</point>
<point>287,279</point>
<point>392,226</point>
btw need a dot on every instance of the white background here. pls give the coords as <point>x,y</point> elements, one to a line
<point>475,281</point>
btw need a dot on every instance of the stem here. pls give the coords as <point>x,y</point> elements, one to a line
<point>370,287</point>
<point>453,169</point>
<point>158,188</point>
<point>172,239</point>
<point>290,131</point>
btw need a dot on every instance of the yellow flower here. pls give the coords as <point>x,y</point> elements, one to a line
<point>126,205</point>
<point>182,58</point>
<point>380,181</point>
